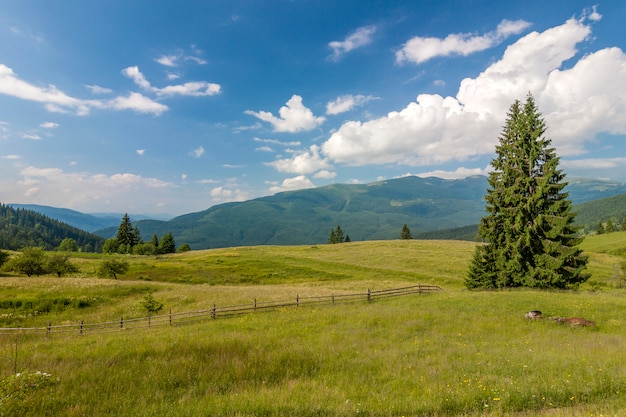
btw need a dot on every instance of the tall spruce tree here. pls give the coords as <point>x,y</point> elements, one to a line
<point>529,233</point>
<point>125,233</point>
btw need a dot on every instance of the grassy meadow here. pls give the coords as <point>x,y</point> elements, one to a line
<point>455,353</point>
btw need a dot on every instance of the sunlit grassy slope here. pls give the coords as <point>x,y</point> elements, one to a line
<point>456,353</point>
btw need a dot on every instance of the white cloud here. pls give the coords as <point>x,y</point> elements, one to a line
<point>578,102</point>
<point>193,88</point>
<point>195,59</point>
<point>290,184</point>
<point>168,60</point>
<point>49,125</point>
<point>223,194</point>
<point>264,149</point>
<point>458,173</point>
<point>594,163</point>
<point>346,103</point>
<point>420,49</point>
<point>11,157</point>
<point>56,101</point>
<point>592,14</point>
<point>359,38</point>
<point>136,102</point>
<point>325,174</point>
<point>293,117</point>
<point>277,142</point>
<point>96,89</point>
<point>30,136</point>
<point>304,162</point>
<point>198,152</point>
<point>140,152</point>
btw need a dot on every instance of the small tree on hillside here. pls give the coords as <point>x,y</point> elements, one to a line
<point>405,233</point>
<point>529,233</point>
<point>112,267</point>
<point>31,261</point>
<point>60,264</point>
<point>68,245</point>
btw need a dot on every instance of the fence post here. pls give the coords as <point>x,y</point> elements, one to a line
<point>121,322</point>
<point>369,295</point>
<point>297,300</point>
<point>333,297</point>
<point>419,288</point>
<point>49,327</point>
<point>81,326</point>
<point>170,316</point>
<point>255,304</point>
<point>213,314</point>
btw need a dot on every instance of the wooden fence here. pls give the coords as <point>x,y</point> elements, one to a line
<point>216,312</point>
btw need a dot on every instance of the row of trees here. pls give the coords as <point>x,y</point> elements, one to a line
<point>609,226</point>
<point>128,240</point>
<point>337,236</point>
<point>35,261</point>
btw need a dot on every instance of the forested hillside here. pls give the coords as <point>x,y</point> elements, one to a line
<point>21,228</point>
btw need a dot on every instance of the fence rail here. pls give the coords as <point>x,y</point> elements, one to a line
<point>216,312</point>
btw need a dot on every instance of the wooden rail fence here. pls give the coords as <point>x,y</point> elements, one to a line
<point>216,312</point>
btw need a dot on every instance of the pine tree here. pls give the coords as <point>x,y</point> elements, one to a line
<point>338,235</point>
<point>331,236</point>
<point>405,233</point>
<point>167,244</point>
<point>529,233</point>
<point>125,234</point>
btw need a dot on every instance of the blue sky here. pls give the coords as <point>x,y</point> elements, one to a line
<point>174,106</point>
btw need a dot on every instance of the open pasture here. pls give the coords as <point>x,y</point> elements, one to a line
<point>456,353</point>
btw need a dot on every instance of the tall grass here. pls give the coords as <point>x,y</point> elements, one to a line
<point>456,353</point>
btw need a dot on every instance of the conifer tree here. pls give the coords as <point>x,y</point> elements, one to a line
<point>405,233</point>
<point>529,233</point>
<point>125,234</point>
<point>331,236</point>
<point>167,244</point>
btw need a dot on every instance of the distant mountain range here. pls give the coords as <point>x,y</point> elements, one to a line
<point>431,207</point>
<point>88,222</point>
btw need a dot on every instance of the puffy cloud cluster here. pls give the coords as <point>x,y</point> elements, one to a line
<point>292,117</point>
<point>290,184</point>
<point>55,100</point>
<point>420,49</point>
<point>56,187</point>
<point>578,102</point>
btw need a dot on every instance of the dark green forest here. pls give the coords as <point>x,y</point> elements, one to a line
<point>20,228</point>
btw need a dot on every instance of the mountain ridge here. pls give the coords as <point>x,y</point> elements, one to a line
<point>432,208</point>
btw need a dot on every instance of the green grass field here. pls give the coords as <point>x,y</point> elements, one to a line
<point>455,353</point>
